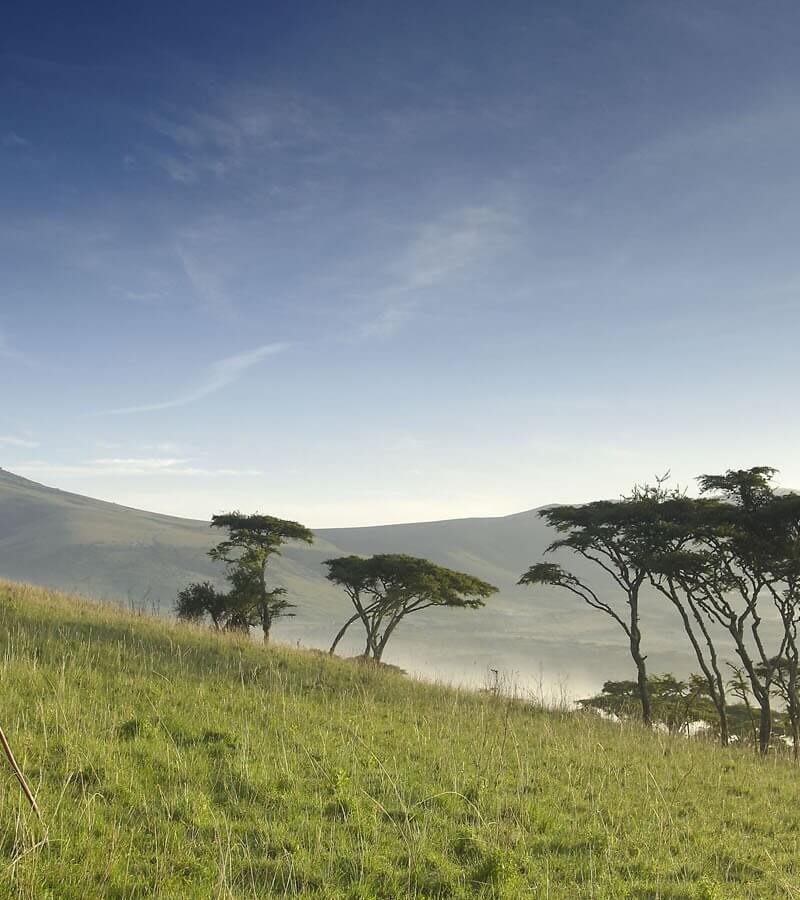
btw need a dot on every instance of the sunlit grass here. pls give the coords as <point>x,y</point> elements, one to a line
<point>171,762</point>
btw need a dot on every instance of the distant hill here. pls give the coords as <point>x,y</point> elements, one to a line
<point>63,540</point>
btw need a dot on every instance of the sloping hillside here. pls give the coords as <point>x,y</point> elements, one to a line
<point>171,762</point>
<point>63,540</point>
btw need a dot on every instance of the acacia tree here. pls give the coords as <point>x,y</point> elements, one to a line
<point>670,519</point>
<point>251,543</point>
<point>387,588</point>
<point>745,549</point>
<point>718,559</point>
<point>613,536</point>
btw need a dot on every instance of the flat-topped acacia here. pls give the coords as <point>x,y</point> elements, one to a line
<point>386,588</point>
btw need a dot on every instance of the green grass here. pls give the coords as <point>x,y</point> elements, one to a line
<point>169,762</point>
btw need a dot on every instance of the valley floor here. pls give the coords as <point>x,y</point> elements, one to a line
<point>170,762</point>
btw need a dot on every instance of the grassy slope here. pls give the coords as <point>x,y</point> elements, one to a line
<point>169,762</point>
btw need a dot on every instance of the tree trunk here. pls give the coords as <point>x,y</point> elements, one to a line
<point>644,693</point>
<point>718,696</point>
<point>713,676</point>
<point>795,724</point>
<point>266,618</point>
<point>765,718</point>
<point>386,635</point>
<point>764,727</point>
<point>341,633</point>
<point>374,648</point>
<point>745,698</point>
<point>370,649</point>
<point>641,669</point>
<point>794,718</point>
<point>266,624</point>
<point>724,734</point>
<point>760,691</point>
<point>792,706</point>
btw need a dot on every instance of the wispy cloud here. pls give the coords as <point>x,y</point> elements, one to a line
<point>8,440</point>
<point>245,122</point>
<point>441,251</point>
<point>201,251</point>
<point>129,466</point>
<point>449,246</point>
<point>12,140</point>
<point>223,373</point>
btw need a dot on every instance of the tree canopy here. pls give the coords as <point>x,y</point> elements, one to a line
<point>386,588</point>
<point>196,601</point>
<point>727,560</point>
<point>252,541</point>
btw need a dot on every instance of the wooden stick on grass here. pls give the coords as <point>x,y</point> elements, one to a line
<point>18,772</point>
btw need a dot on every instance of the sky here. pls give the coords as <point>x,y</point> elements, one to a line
<point>363,262</point>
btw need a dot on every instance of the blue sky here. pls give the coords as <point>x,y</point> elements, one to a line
<point>365,262</point>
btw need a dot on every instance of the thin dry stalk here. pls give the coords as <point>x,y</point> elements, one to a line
<point>18,772</point>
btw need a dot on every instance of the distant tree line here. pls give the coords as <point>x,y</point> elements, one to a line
<point>728,562</point>
<point>383,589</point>
<point>685,707</point>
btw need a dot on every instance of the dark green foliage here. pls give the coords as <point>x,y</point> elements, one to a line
<point>252,541</point>
<point>265,533</point>
<point>727,561</point>
<point>676,705</point>
<point>686,707</point>
<point>197,601</point>
<point>747,569</point>
<point>746,488</point>
<point>385,588</point>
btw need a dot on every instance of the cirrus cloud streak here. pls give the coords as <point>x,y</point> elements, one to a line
<point>224,372</point>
